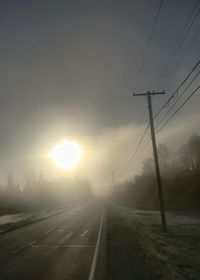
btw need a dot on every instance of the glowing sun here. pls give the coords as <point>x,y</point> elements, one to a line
<point>67,154</point>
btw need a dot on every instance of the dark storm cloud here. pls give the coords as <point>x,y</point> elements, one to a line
<point>69,67</point>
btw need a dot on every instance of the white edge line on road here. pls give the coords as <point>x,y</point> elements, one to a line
<point>96,253</point>
<point>49,230</point>
<point>61,246</point>
<point>31,243</point>
<point>22,247</point>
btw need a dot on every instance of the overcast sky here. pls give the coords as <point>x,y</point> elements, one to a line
<point>69,68</point>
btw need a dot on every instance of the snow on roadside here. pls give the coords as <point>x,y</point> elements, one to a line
<point>11,221</point>
<point>169,256</point>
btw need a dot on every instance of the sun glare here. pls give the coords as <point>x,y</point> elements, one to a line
<point>67,154</point>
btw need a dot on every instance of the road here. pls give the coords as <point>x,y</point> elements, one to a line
<point>60,247</point>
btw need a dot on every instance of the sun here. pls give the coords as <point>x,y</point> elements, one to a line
<point>67,154</point>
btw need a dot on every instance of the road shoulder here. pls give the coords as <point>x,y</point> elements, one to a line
<point>124,259</point>
<point>171,255</point>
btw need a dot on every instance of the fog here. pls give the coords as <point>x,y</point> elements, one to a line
<point>105,153</point>
<point>69,70</point>
<point>180,173</point>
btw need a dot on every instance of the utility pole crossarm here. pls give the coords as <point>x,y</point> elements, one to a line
<point>149,93</point>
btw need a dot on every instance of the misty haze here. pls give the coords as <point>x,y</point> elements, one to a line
<point>99,140</point>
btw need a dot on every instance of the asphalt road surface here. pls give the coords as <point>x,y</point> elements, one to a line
<point>60,247</point>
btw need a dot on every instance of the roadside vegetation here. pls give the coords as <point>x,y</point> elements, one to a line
<point>175,254</point>
<point>180,173</point>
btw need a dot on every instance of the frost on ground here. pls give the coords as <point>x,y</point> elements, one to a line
<point>169,256</point>
<point>12,221</point>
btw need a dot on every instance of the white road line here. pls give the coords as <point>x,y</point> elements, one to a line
<point>84,233</point>
<point>64,239</point>
<point>18,249</point>
<point>96,253</point>
<point>49,230</point>
<point>22,247</point>
<point>61,246</point>
<point>69,234</point>
<point>31,243</point>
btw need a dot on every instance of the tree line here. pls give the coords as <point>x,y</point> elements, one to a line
<point>180,172</point>
<point>37,192</point>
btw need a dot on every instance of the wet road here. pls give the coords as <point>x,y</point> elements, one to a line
<point>60,247</point>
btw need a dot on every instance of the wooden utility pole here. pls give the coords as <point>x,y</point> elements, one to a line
<point>155,153</point>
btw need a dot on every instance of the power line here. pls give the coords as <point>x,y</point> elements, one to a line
<point>175,93</point>
<point>126,164</point>
<point>185,54</point>
<point>142,150</point>
<point>159,111</point>
<point>148,142</point>
<point>143,147</point>
<point>148,45</point>
<point>183,92</point>
<point>181,41</point>
<point>133,155</point>
<point>166,122</point>
<point>189,74</point>
<point>138,146</point>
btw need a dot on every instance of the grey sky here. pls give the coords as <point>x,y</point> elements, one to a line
<point>68,68</point>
